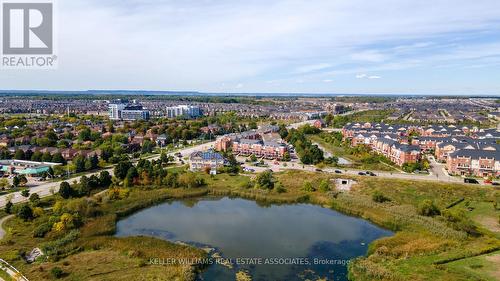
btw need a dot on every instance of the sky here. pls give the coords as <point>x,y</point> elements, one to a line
<point>309,46</point>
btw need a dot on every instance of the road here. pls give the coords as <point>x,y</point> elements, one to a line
<point>46,189</point>
<point>283,166</point>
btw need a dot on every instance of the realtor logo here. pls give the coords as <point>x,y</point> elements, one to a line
<point>28,35</point>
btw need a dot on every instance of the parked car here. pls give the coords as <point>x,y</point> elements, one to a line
<point>318,170</point>
<point>362,173</point>
<point>338,171</point>
<point>472,181</point>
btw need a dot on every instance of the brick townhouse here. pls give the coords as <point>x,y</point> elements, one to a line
<point>480,163</point>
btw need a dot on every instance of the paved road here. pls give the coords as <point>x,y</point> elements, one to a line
<point>282,166</point>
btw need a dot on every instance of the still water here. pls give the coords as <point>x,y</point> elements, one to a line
<point>269,242</point>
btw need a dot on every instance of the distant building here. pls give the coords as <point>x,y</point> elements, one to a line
<point>201,160</point>
<point>189,111</point>
<point>127,111</point>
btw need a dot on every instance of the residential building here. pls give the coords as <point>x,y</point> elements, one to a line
<point>201,160</point>
<point>188,111</point>
<point>127,111</point>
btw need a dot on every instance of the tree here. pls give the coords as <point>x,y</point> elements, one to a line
<point>46,157</point>
<point>25,213</point>
<point>15,181</point>
<point>164,157</point>
<point>121,169</point>
<point>428,208</point>
<point>58,158</point>
<point>94,160</point>
<point>104,179</point>
<point>88,164</point>
<point>265,180</point>
<point>22,180</point>
<point>37,156</point>
<point>324,186</point>
<point>25,193</point>
<point>8,207</point>
<point>132,175</point>
<point>65,190</point>
<point>147,146</point>
<point>35,199</point>
<point>79,162</point>
<point>19,155</point>
<point>84,186</point>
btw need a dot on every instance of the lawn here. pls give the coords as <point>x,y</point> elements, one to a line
<point>357,162</point>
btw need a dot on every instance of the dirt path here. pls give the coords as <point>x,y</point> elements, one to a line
<point>2,220</point>
<point>495,259</point>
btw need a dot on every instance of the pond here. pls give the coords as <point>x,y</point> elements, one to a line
<point>268,242</point>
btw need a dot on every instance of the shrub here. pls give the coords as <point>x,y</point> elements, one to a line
<point>428,208</point>
<point>378,197</point>
<point>57,272</point>
<point>308,187</point>
<point>25,213</point>
<point>324,186</point>
<point>25,193</point>
<point>41,230</point>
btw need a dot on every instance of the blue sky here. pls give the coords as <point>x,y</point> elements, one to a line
<point>333,46</point>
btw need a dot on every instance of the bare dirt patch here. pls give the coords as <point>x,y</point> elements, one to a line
<point>490,223</point>
<point>495,259</point>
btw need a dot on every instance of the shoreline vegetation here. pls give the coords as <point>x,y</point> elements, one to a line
<point>438,229</point>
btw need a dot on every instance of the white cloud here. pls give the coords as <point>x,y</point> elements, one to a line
<point>327,80</point>
<point>365,76</point>
<point>312,67</point>
<point>369,56</point>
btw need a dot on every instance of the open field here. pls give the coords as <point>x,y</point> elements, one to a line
<point>357,162</point>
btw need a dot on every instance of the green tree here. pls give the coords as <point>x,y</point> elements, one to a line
<point>19,155</point>
<point>104,179</point>
<point>265,180</point>
<point>428,208</point>
<point>37,156</point>
<point>79,162</point>
<point>58,158</point>
<point>15,181</point>
<point>65,190</point>
<point>25,213</point>
<point>35,199</point>
<point>121,169</point>
<point>8,207</point>
<point>46,157</point>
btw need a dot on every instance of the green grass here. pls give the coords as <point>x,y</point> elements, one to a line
<point>357,162</point>
<point>479,268</point>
